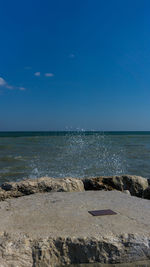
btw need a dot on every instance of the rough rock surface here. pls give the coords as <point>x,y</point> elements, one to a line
<point>146,193</point>
<point>136,185</point>
<point>40,185</point>
<point>55,229</point>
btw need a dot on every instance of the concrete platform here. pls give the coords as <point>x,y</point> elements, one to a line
<point>55,229</point>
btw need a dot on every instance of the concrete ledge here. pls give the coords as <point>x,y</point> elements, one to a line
<point>55,229</point>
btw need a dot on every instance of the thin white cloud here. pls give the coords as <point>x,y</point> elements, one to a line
<point>37,73</point>
<point>49,74</point>
<point>21,88</point>
<point>10,87</point>
<point>4,84</point>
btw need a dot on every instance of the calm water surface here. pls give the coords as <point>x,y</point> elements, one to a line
<point>76,154</point>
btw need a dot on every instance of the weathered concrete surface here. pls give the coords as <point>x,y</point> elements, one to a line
<point>55,229</point>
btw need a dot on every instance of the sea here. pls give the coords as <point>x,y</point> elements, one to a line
<point>80,154</point>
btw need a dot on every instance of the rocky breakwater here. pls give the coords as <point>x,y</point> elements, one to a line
<point>134,185</point>
<point>45,222</point>
<point>39,185</point>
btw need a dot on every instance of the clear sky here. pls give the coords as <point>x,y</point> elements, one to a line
<point>68,64</point>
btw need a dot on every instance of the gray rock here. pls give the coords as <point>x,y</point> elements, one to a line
<point>40,185</point>
<point>55,229</point>
<point>146,193</point>
<point>127,192</point>
<point>134,184</point>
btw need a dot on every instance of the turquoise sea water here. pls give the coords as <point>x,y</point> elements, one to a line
<point>76,154</point>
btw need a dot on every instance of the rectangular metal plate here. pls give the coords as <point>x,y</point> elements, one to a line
<point>102,212</point>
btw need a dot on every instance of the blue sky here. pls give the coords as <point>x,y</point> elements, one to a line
<point>74,64</point>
